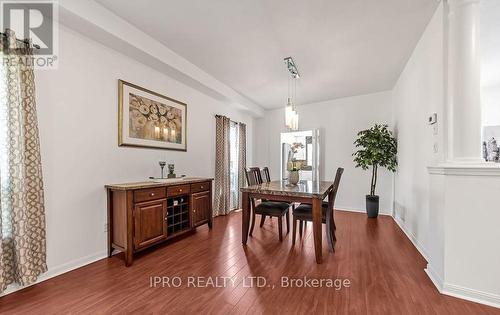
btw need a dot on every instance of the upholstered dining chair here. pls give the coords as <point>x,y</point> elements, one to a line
<point>266,176</point>
<point>303,213</point>
<point>265,207</point>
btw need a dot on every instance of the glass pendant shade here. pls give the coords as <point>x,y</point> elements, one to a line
<point>295,121</point>
<point>289,114</point>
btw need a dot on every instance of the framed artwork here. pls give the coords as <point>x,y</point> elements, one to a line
<point>149,119</point>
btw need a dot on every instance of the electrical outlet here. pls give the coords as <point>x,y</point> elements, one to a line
<point>436,148</point>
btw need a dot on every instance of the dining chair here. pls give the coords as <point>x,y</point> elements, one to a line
<point>266,176</point>
<point>303,213</point>
<point>267,208</point>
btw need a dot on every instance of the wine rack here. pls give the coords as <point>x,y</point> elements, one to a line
<point>178,217</point>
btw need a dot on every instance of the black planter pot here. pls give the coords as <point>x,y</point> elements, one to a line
<point>372,205</point>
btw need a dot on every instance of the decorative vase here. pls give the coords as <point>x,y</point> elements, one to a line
<point>293,177</point>
<point>372,206</point>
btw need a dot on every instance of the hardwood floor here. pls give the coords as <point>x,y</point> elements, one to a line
<point>385,271</point>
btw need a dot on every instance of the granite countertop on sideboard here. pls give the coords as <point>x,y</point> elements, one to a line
<point>158,183</point>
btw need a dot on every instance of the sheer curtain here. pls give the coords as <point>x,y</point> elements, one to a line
<point>22,221</point>
<point>242,158</point>
<point>234,164</point>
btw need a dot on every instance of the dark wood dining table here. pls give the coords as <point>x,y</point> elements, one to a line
<point>310,192</point>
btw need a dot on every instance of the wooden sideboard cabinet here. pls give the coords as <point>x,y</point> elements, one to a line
<point>141,215</point>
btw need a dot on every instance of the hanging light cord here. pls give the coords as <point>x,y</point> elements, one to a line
<point>288,94</point>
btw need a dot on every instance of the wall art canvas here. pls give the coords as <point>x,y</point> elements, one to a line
<point>149,119</point>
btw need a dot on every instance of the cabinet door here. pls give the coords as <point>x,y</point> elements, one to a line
<point>150,225</point>
<point>201,204</point>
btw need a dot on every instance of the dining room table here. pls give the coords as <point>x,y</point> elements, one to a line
<point>306,191</point>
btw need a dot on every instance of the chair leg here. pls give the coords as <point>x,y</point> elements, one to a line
<point>333,220</point>
<point>253,222</point>
<point>301,227</point>
<point>287,217</point>
<point>294,228</point>
<point>262,219</point>
<point>280,228</point>
<point>334,228</point>
<point>333,232</point>
<point>329,229</point>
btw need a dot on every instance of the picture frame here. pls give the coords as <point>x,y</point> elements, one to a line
<point>149,119</point>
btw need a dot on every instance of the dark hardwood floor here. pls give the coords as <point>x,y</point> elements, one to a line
<point>385,270</point>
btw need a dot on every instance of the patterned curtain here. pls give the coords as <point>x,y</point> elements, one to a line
<point>22,220</point>
<point>242,158</point>
<point>222,191</point>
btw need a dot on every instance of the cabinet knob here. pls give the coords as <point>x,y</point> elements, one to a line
<point>194,210</point>
<point>165,219</point>
<point>152,194</point>
<point>180,189</point>
<point>201,187</point>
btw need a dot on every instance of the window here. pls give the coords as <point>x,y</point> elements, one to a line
<point>233,164</point>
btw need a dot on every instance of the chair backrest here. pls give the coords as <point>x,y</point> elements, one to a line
<point>253,176</point>
<point>267,176</point>
<point>336,183</point>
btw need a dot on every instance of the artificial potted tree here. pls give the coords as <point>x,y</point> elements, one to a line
<point>376,147</point>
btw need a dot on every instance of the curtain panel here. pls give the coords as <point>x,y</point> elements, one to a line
<point>22,221</point>
<point>242,159</point>
<point>222,190</point>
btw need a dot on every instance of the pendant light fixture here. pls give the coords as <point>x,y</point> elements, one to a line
<point>291,115</point>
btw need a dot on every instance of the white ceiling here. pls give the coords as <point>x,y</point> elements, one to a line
<point>342,47</point>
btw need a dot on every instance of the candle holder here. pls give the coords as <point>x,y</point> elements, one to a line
<point>162,166</point>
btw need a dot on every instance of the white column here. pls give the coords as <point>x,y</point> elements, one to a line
<point>464,101</point>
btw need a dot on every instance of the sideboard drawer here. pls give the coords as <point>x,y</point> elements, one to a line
<point>197,187</point>
<point>149,194</point>
<point>178,190</point>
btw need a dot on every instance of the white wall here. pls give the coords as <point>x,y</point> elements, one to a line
<point>339,121</point>
<point>490,102</point>
<point>471,255</point>
<point>449,213</point>
<point>490,62</point>
<point>418,93</point>
<point>77,114</point>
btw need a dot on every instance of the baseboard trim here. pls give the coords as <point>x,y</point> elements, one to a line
<point>58,270</point>
<point>435,278</point>
<point>412,238</point>
<point>462,292</point>
<point>472,295</point>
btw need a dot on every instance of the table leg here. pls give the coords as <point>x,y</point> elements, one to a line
<point>245,222</point>
<point>317,226</point>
